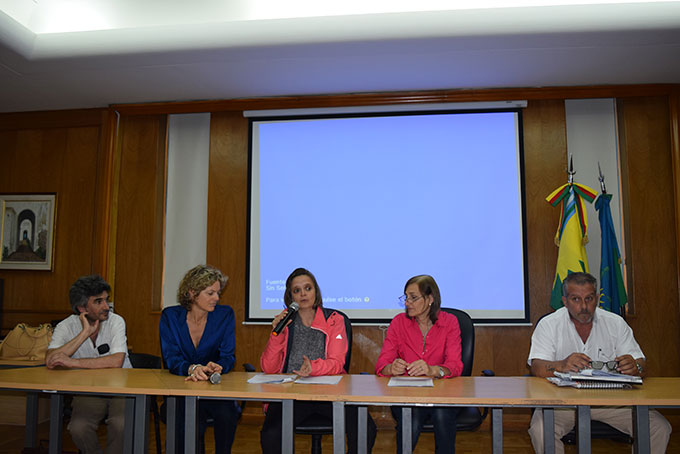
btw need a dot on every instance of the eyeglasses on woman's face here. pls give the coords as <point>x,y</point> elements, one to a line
<point>403,299</point>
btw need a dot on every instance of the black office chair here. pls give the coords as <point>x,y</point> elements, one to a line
<point>469,418</point>
<point>146,361</point>
<point>600,430</point>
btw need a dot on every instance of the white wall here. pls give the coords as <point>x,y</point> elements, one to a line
<point>186,230</point>
<point>592,138</point>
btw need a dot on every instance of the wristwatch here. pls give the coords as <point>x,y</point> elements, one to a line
<point>441,372</point>
<point>639,368</point>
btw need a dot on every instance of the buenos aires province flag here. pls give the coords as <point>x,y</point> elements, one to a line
<point>572,233</point>
<point>612,290</point>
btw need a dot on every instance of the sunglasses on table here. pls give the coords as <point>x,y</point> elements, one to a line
<point>599,365</point>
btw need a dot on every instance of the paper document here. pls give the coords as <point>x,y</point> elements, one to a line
<point>321,380</point>
<point>411,381</point>
<point>272,378</point>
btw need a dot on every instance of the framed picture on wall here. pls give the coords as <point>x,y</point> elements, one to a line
<point>27,231</point>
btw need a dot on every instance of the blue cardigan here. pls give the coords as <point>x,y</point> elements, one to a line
<point>217,343</point>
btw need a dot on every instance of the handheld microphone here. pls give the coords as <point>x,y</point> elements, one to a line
<point>292,312</point>
<point>215,378</point>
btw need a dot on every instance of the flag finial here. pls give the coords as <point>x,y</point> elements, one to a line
<point>571,171</point>
<point>601,178</point>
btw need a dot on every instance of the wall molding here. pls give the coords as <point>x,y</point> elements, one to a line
<point>412,97</point>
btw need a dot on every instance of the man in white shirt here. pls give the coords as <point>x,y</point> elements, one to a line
<point>578,336</point>
<point>92,338</point>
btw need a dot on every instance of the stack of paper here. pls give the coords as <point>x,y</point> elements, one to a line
<point>599,375</point>
<point>590,378</point>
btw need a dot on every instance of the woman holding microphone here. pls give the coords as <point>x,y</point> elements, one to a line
<point>313,343</point>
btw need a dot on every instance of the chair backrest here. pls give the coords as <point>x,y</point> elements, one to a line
<point>467,338</point>
<point>348,331</point>
<point>144,361</point>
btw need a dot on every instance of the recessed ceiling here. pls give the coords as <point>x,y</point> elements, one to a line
<point>75,54</point>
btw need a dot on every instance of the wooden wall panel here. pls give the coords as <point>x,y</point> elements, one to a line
<point>227,222</point>
<point>104,202</point>
<point>137,277</point>
<point>56,152</point>
<point>645,140</point>
<point>674,111</point>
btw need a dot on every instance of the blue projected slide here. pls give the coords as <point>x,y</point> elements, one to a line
<point>366,203</point>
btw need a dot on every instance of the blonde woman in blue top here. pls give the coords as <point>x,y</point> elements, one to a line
<point>197,340</point>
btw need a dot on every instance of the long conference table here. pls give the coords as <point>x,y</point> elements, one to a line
<point>360,390</point>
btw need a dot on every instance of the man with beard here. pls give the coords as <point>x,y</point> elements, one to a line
<point>92,338</point>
